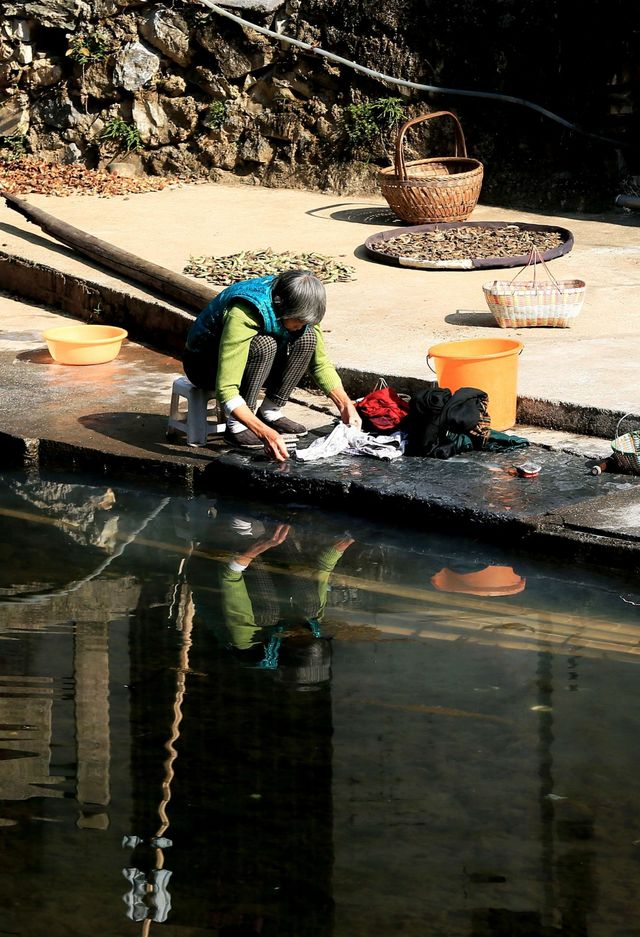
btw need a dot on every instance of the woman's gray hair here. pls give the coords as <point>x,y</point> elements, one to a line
<point>298,294</point>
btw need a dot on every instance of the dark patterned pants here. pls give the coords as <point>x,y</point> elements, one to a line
<point>277,368</point>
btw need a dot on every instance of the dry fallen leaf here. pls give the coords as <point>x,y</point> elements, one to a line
<point>30,175</point>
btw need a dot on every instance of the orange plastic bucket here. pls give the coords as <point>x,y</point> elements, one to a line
<point>494,580</point>
<point>84,344</point>
<point>490,364</point>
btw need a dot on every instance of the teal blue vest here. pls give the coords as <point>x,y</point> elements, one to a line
<point>205,331</point>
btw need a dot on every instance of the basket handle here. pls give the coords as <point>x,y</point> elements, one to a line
<point>461,147</point>
<point>535,257</point>
<point>625,417</point>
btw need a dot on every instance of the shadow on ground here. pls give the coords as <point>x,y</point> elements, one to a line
<point>472,317</point>
<point>374,214</point>
<point>39,241</point>
<point>146,431</point>
<point>36,356</point>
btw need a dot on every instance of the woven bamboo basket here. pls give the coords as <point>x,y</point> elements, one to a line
<point>626,450</point>
<point>442,188</point>
<point>553,303</point>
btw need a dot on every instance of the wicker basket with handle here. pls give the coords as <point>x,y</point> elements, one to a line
<point>551,303</point>
<point>442,188</point>
<point>626,449</point>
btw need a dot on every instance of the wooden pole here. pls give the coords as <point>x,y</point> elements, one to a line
<point>184,290</point>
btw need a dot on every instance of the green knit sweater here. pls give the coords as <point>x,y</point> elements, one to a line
<point>240,324</point>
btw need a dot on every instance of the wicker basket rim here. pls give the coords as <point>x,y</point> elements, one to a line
<point>507,288</point>
<point>475,165</point>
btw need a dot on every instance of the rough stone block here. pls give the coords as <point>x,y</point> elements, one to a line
<point>168,32</point>
<point>135,66</point>
<point>43,72</point>
<point>14,115</point>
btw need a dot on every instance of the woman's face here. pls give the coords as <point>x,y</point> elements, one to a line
<point>293,325</point>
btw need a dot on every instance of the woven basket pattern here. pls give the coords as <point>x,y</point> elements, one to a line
<point>626,452</point>
<point>532,303</point>
<point>438,192</point>
<point>423,191</point>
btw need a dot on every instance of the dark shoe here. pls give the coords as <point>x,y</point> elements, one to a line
<point>246,439</point>
<point>285,426</point>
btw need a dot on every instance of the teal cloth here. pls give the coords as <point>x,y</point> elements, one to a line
<point>497,442</point>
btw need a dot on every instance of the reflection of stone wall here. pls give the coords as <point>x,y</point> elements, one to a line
<point>209,97</point>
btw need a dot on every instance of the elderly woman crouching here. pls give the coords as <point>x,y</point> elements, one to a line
<point>264,332</point>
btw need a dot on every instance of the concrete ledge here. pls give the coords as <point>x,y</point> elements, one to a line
<point>370,488</point>
<point>149,320</point>
<point>164,327</point>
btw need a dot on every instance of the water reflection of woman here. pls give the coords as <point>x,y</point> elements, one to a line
<point>271,610</point>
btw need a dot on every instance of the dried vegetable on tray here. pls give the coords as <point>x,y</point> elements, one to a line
<point>462,242</point>
<point>248,264</point>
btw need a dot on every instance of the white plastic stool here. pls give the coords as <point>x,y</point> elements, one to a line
<point>197,421</point>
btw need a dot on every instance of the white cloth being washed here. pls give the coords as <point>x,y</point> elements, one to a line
<point>351,441</point>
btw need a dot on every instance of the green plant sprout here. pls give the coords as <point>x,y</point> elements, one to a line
<point>371,120</point>
<point>122,133</point>
<point>14,147</point>
<point>217,114</point>
<point>89,47</point>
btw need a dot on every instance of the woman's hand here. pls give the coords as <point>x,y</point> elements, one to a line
<point>344,544</point>
<point>349,415</point>
<point>346,408</point>
<point>274,446</point>
<point>267,543</point>
<point>279,536</point>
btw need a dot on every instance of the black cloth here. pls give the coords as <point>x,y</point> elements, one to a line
<point>438,419</point>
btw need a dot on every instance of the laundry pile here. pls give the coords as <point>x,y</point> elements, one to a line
<point>433,422</point>
<point>351,441</point>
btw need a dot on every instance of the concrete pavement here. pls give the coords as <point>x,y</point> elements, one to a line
<point>111,418</point>
<point>384,321</point>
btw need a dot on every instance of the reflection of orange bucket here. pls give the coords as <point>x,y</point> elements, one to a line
<point>490,364</point>
<point>494,580</point>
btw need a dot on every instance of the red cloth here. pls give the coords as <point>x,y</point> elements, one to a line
<point>383,408</point>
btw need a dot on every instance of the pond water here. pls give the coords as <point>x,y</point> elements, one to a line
<point>238,719</point>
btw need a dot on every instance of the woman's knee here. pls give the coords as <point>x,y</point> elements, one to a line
<point>305,342</point>
<point>263,347</point>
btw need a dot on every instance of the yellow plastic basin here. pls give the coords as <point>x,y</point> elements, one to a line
<point>84,344</point>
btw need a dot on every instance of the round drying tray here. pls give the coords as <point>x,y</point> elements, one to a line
<point>397,259</point>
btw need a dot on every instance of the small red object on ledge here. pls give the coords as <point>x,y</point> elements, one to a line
<point>528,469</point>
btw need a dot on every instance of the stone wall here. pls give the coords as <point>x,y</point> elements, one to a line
<point>193,94</point>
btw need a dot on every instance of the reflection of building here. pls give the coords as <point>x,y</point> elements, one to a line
<point>26,752</point>
<point>57,532</point>
<point>91,672</point>
<point>414,794</point>
<point>27,703</point>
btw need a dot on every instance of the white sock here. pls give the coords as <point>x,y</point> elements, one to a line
<point>270,410</point>
<point>235,426</point>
